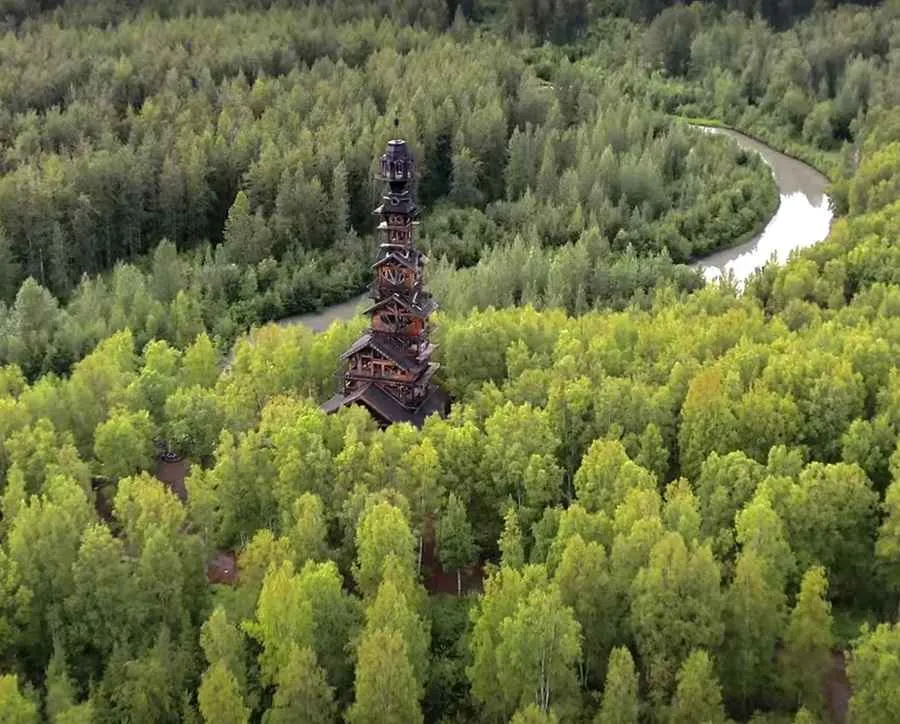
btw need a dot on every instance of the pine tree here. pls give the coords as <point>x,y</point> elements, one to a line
<point>10,271</point>
<point>239,230</point>
<point>340,201</point>
<point>464,189</point>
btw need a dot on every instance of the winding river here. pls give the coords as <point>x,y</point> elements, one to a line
<point>802,219</point>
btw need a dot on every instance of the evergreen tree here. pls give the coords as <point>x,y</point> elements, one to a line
<point>9,269</point>
<point>464,189</point>
<point>340,201</point>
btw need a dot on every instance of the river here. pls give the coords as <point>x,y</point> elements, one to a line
<point>802,219</point>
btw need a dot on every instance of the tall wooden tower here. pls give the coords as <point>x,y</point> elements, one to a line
<point>389,368</point>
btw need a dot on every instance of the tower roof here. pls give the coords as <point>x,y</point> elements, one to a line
<point>421,305</point>
<point>397,149</point>
<point>388,348</point>
<point>408,260</point>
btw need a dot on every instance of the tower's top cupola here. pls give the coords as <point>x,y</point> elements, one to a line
<point>397,165</point>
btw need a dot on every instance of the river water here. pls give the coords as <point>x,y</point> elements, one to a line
<point>802,219</point>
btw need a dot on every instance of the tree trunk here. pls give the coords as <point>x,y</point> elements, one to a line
<point>458,583</point>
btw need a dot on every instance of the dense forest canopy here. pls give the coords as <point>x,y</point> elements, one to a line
<point>668,502</point>
<point>226,137</point>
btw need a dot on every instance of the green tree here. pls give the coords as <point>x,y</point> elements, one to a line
<point>15,708</point>
<point>193,421</point>
<point>504,589</point>
<point>382,532</point>
<point>340,201</point>
<point>874,672</point>
<point>708,422</point>
<point>156,380</point>
<point>833,502</point>
<point>681,512</point>
<point>284,619</point>
<point>200,363</point>
<point>669,38</point>
<point>149,687</point>
<point>540,646</point>
<point>123,444</point>
<point>223,642</point>
<point>698,697</point>
<point>726,484</point>
<point>606,475</point>
<point>754,621</point>
<point>302,694</point>
<point>512,549</point>
<point>518,461</point>
<point>532,714</point>
<point>676,606</point>
<point>464,189</point>
<point>309,533</point>
<point>620,703</point>
<point>584,584</point>
<point>760,530</point>
<point>60,688</point>
<point>167,275</point>
<point>239,232</point>
<point>42,544</point>
<point>393,610</point>
<point>101,605</point>
<point>887,546</point>
<point>220,697</point>
<point>455,545</point>
<point>806,654</point>
<point>10,271</point>
<point>335,617</point>
<point>34,319</point>
<point>185,318</point>
<point>386,687</point>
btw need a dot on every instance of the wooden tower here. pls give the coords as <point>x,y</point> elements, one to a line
<point>389,368</point>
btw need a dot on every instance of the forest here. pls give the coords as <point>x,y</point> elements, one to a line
<point>655,499</point>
